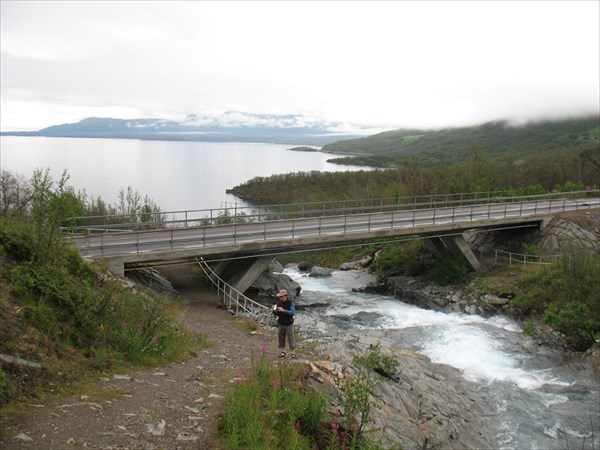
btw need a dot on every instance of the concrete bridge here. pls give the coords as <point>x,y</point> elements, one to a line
<point>247,248</point>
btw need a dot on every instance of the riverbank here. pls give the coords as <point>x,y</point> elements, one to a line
<point>174,406</point>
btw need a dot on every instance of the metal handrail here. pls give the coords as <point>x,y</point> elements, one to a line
<point>209,217</point>
<point>234,300</point>
<point>340,225</point>
<point>525,259</point>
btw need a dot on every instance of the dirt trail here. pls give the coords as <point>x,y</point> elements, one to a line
<point>168,407</point>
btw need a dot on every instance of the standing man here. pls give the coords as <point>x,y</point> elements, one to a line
<point>285,310</point>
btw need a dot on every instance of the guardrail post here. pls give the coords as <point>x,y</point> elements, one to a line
<point>137,242</point>
<point>171,239</point>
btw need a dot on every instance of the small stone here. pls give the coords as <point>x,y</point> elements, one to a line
<point>71,441</point>
<point>199,400</point>
<point>116,376</point>
<point>186,437</point>
<point>157,430</point>
<point>215,396</point>
<point>23,437</point>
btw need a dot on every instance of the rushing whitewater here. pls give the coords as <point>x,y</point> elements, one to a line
<point>539,402</point>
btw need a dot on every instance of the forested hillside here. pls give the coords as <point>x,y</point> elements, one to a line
<point>499,140</point>
<point>479,173</point>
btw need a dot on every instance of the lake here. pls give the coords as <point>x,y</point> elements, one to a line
<point>176,175</point>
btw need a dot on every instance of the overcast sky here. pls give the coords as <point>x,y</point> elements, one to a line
<point>391,64</point>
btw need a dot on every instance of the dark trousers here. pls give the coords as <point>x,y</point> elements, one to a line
<point>283,332</point>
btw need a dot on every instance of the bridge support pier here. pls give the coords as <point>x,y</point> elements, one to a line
<point>456,246</point>
<point>241,273</point>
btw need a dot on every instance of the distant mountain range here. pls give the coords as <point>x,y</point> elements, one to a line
<point>232,126</point>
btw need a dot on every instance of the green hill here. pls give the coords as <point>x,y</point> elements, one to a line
<point>498,140</point>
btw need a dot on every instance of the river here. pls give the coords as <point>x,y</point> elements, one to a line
<point>176,175</point>
<point>539,401</point>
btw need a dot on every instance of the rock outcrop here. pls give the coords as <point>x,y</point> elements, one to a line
<point>557,236</point>
<point>426,405</point>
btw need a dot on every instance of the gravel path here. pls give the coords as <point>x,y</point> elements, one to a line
<point>168,407</point>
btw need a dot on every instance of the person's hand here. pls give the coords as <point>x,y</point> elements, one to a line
<point>280,309</point>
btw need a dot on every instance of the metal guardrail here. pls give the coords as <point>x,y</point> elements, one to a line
<point>173,239</point>
<point>537,260</point>
<point>235,301</point>
<point>524,259</point>
<point>245,214</point>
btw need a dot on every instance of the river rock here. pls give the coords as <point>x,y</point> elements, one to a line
<point>318,271</point>
<point>428,406</point>
<point>267,285</point>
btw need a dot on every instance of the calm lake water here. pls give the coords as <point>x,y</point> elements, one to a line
<point>176,175</point>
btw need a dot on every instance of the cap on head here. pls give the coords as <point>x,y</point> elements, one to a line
<point>282,293</point>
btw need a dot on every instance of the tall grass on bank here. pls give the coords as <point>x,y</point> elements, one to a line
<point>271,407</point>
<point>276,407</point>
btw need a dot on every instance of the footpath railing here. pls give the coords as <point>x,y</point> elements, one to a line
<point>235,301</point>
<point>524,259</point>
<point>533,260</point>
<point>262,213</point>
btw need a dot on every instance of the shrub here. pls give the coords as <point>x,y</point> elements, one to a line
<point>271,407</point>
<point>450,270</point>
<point>400,257</point>
<point>567,294</point>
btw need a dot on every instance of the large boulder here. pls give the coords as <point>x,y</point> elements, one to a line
<point>267,285</point>
<point>318,271</point>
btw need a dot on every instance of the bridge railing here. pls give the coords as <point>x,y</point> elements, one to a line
<point>244,214</point>
<point>177,238</point>
<point>234,300</point>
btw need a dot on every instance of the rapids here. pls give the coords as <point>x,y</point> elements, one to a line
<point>541,398</point>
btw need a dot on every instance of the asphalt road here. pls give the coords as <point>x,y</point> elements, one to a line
<point>216,236</point>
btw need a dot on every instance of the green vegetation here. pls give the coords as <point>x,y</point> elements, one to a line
<point>68,317</point>
<point>531,159</point>
<point>450,271</point>
<point>303,149</point>
<point>275,407</point>
<point>500,140</point>
<point>406,258</point>
<point>567,295</point>
<point>507,179</point>
<point>272,407</point>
